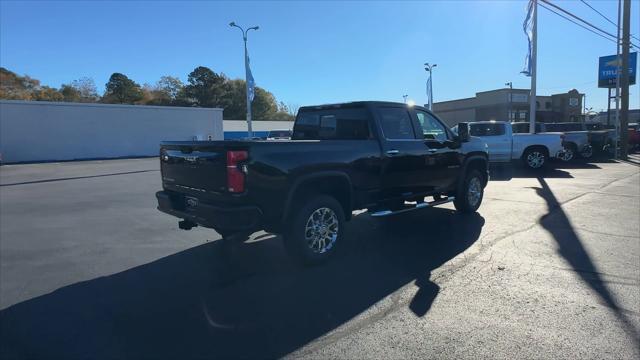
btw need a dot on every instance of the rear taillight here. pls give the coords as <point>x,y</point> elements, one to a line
<point>235,174</point>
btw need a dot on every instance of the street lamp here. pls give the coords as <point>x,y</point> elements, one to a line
<point>247,73</point>
<point>510,85</point>
<point>404,97</point>
<point>429,68</point>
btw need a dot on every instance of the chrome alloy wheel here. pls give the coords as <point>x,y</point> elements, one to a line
<point>321,230</point>
<point>535,159</point>
<point>567,154</point>
<point>474,192</point>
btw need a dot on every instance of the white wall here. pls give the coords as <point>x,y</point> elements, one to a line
<point>257,125</point>
<point>48,131</point>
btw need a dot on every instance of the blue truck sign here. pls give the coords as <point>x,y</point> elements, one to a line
<point>607,70</point>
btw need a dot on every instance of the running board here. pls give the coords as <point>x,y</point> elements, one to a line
<point>417,206</point>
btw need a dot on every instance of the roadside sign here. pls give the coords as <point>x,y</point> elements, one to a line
<point>607,70</point>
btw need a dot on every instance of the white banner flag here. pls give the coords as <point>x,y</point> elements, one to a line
<point>527,26</point>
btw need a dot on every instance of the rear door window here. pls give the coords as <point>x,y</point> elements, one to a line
<point>332,124</point>
<point>486,129</point>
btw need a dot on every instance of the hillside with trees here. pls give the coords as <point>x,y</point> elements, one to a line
<point>204,88</point>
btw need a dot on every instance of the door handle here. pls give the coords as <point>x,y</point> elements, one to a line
<point>393,152</point>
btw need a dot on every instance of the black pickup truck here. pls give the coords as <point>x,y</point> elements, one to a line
<point>381,156</point>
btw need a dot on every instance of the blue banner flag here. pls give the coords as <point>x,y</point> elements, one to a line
<point>250,82</point>
<point>527,26</point>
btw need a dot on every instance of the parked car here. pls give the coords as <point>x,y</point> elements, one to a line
<point>504,146</point>
<point>283,134</point>
<point>380,156</point>
<point>576,141</point>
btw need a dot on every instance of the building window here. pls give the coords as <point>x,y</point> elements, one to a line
<point>523,115</point>
<point>547,105</point>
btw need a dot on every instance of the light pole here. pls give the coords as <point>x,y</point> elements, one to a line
<point>247,74</point>
<point>510,85</point>
<point>429,69</point>
<point>404,97</point>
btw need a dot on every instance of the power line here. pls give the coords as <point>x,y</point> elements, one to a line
<point>605,17</point>
<point>583,21</point>
<point>601,14</point>
<point>582,26</point>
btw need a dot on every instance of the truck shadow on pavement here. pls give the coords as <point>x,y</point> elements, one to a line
<point>196,304</point>
<point>555,169</point>
<point>570,247</point>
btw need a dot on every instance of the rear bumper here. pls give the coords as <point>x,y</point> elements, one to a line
<point>237,218</point>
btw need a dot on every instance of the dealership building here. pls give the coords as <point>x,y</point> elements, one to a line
<point>511,104</point>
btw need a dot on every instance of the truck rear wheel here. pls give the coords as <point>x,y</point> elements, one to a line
<point>535,158</point>
<point>315,230</point>
<point>469,195</point>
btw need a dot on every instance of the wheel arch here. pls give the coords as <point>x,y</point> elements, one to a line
<point>333,183</point>
<point>534,147</point>
<point>476,160</point>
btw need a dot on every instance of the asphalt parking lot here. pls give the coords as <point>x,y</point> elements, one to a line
<point>548,268</point>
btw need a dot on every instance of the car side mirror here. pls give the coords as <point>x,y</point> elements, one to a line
<point>463,132</point>
<point>453,144</point>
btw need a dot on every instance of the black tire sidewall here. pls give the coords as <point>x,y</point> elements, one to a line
<point>294,236</point>
<point>462,201</point>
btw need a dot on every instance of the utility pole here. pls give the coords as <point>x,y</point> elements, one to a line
<point>624,79</point>
<point>510,84</point>
<point>247,75</point>
<point>616,122</point>
<point>534,60</point>
<point>404,97</point>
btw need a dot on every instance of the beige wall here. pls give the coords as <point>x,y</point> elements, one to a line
<point>451,118</point>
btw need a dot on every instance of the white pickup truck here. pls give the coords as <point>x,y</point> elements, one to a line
<point>504,146</point>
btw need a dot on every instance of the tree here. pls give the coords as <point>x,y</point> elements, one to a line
<point>171,86</point>
<point>46,93</point>
<point>69,93</point>
<point>236,108</point>
<point>206,88</point>
<point>121,90</point>
<point>15,87</point>
<point>86,89</point>
<point>264,105</point>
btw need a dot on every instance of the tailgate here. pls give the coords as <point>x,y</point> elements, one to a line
<point>199,166</point>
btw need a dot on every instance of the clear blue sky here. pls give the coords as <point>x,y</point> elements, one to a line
<point>311,52</point>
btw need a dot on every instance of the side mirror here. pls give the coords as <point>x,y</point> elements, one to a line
<point>463,132</point>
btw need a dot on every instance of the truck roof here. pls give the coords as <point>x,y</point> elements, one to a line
<point>488,122</point>
<point>357,104</point>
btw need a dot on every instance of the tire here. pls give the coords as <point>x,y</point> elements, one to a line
<point>535,158</point>
<point>315,230</point>
<point>469,195</point>
<point>587,152</point>
<point>569,152</point>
